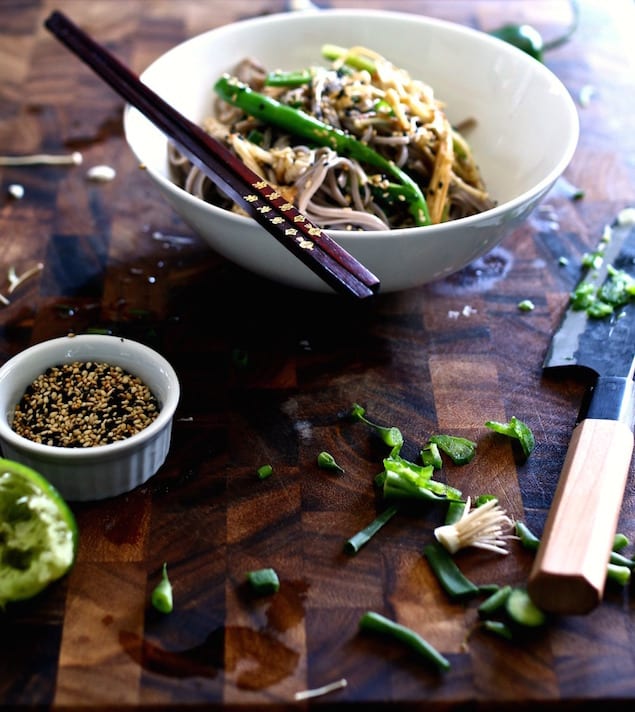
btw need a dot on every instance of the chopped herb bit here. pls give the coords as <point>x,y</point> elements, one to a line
<point>526,305</point>
<point>264,471</point>
<point>162,594</point>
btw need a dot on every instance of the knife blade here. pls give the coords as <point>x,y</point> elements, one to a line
<point>569,571</point>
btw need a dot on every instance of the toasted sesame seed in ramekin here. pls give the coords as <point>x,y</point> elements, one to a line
<point>89,464</point>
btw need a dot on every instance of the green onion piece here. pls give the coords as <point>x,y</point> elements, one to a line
<point>494,602</point>
<point>498,628</point>
<point>526,305</point>
<point>288,79</point>
<point>619,574</point>
<point>522,610</point>
<point>333,53</point>
<point>451,578</point>
<point>459,450</point>
<point>264,471</point>
<point>376,623</point>
<point>527,538</point>
<point>620,541</point>
<point>357,541</point>
<point>327,462</point>
<point>162,595</point>
<point>456,509</point>
<point>263,582</point>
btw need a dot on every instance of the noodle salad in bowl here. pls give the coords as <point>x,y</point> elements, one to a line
<point>418,144</point>
<point>379,151</point>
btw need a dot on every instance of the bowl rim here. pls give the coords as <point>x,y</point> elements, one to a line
<point>509,206</point>
<point>110,450</point>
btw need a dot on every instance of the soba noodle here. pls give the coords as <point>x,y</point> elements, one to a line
<point>397,116</point>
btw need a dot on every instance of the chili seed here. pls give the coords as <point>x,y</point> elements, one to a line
<point>83,404</point>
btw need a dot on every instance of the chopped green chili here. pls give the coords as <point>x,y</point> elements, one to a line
<point>263,582</point>
<point>515,429</point>
<point>451,578</point>
<point>376,623</point>
<point>161,597</point>
<point>327,462</point>
<point>357,541</point>
<point>407,479</point>
<point>308,127</point>
<point>430,455</point>
<point>459,450</point>
<point>390,435</point>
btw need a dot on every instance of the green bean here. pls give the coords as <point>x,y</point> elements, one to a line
<point>306,126</point>
<point>376,623</point>
<point>357,541</point>
<point>451,578</point>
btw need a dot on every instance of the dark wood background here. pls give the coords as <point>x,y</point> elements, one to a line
<point>441,358</point>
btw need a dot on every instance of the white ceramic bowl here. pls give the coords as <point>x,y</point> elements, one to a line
<point>104,470</point>
<point>526,134</point>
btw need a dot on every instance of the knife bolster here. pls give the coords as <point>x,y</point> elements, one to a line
<point>611,398</point>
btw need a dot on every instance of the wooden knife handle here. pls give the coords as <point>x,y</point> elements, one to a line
<point>569,572</point>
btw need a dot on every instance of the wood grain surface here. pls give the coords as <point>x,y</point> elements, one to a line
<point>445,357</point>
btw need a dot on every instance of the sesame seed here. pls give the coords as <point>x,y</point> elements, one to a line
<point>84,404</point>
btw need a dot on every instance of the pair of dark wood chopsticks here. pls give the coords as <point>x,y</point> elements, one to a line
<point>309,243</point>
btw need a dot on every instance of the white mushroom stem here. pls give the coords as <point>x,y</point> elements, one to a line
<point>481,527</point>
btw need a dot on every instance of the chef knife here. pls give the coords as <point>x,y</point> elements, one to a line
<point>569,571</point>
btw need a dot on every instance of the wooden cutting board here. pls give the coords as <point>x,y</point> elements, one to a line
<point>443,358</point>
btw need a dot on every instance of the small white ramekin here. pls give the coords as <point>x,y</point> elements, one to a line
<point>101,471</point>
